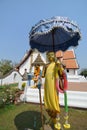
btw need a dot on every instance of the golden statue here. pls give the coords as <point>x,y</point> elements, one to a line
<point>55,81</point>
<point>51,72</point>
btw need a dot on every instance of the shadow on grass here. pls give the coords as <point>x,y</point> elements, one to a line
<point>28,120</point>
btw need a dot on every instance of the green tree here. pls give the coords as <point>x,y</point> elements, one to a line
<point>84,72</point>
<point>5,66</point>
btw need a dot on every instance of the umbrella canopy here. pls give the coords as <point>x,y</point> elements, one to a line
<point>57,33</point>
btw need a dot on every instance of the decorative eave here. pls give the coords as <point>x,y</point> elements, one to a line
<point>38,61</point>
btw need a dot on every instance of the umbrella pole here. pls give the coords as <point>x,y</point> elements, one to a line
<point>41,108</point>
<point>53,39</point>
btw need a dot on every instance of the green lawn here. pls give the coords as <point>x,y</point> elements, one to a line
<point>28,115</point>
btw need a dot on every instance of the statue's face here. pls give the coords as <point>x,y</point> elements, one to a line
<point>51,56</point>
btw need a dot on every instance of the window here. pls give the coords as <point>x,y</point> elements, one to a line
<point>67,70</point>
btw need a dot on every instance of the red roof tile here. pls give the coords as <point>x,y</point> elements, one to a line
<point>69,59</point>
<point>69,54</point>
<point>59,54</point>
<point>71,64</point>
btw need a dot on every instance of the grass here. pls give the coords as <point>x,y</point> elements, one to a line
<point>19,117</point>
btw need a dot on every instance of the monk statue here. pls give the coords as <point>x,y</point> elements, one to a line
<point>52,72</point>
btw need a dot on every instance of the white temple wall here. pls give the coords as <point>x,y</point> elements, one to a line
<point>14,77</point>
<point>24,66</point>
<point>27,63</point>
<point>71,72</point>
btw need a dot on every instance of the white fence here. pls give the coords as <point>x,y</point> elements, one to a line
<point>76,78</point>
<point>75,98</point>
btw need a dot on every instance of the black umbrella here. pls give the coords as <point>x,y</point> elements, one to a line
<point>57,33</point>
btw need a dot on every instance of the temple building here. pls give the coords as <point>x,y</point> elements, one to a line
<point>69,59</point>
<point>30,60</point>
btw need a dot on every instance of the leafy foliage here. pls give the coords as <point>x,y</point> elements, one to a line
<point>23,85</point>
<point>9,95</point>
<point>84,72</point>
<point>5,67</point>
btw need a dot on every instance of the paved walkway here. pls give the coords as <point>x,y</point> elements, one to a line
<point>77,86</point>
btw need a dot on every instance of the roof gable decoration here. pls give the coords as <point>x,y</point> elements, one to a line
<point>38,60</point>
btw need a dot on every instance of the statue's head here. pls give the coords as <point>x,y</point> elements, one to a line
<point>51,56</point>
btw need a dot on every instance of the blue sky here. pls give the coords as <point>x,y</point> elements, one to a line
<point>18,16</point>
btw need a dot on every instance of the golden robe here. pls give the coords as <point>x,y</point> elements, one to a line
<point>51,98</point>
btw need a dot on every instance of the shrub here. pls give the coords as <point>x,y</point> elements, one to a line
<point>23,85</point>
<point>8,95</point>
<point>1,102</point>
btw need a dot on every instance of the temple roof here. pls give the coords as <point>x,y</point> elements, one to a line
<point>69,54</point>
<point>59,54</point>
<point>71,64</point>
<point>69,59</point>
<point>38,60</point>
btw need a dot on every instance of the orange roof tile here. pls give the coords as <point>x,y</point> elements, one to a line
<point>59,54</point>
<point>69,54</point>
<point>69,59</point>
<point>71,64</point>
